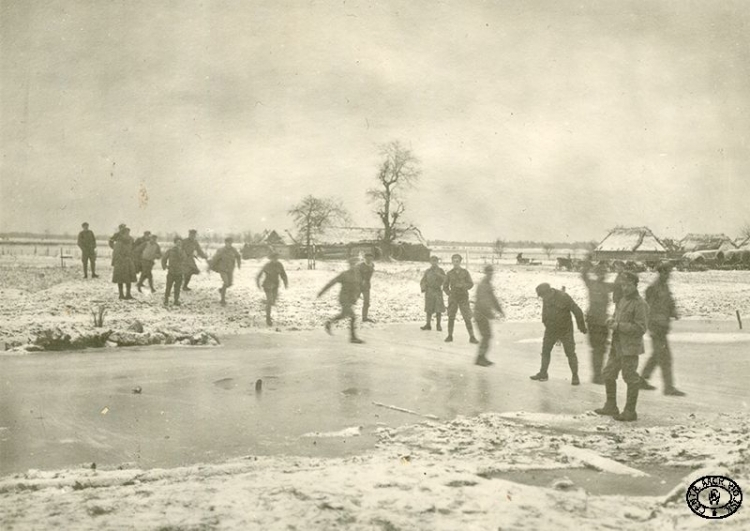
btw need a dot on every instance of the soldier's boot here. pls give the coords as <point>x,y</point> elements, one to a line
<point>482,361</point>
<point>573,364</point>
<point>472,337</point>
<point>610,406</point>
<point>628,413</point>
<point>151,284</point>
<point>93,271</point>
<point>643,384</point>
<point>86,271</point>
<point>437,323</point>
<point>428,324</point>
<point>185,283</point>
<point>120,289</point>
<point>451,324</point>
<point>673,391</point>
<point>353,333</point>
<point>128,296</point>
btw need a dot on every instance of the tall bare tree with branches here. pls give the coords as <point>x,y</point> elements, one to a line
<point>313,214</point>
<point>398,171</point>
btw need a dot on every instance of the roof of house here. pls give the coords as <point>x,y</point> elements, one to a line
<point>350,235</point>
<point>706,242</point>
<point>631,239</point>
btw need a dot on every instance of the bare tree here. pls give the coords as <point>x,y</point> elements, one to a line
<point>498,248</point>
<point>547,248</point>
<point>398,170</point>
<point>313,214</point>
<point>745,231</point>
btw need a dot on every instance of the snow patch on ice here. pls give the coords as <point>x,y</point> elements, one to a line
<point>354,431</point>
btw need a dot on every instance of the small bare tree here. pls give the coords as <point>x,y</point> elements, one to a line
<point>398,170</point>
<point>745,231</point>
<point>547,248</point>
<point>313,214</point>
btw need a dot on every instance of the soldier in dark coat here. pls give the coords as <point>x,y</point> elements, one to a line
<point>138,247</point>
<point>596,316</point>
<point>272,271</point>
<point>457,285</point>
<point>432,287</point>
<point>87,244</point>
<point>123,273</point>
<point>366,270</point>
<point>662,309</point>
<point>223,262</point>
<point>113,239</point>
<point>350,286</point>
<point>484,309</point>
<point>175,261</point>
<point>628,326</point>
<point>192,248</point>
<point>147,252</point>
<point>557,307</point>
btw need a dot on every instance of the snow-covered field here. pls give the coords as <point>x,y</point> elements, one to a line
<point>432,475</point>
<point>427,476</point>
<point>37,294</point>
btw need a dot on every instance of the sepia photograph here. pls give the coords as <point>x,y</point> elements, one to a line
<point>374,265</point>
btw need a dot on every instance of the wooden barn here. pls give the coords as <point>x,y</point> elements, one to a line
<point>271,241</point>
<point>637,244</point>
<point>343,242</point>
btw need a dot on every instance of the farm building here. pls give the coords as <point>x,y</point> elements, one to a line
<point>342,242</point>
<point>706,242</point>
<point>630,243</point>
<point>270,241</point>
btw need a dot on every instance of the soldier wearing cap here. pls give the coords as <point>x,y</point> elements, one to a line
<point>123,272</point>
<point>662,309</point>
<point>484,309</point>
<point>366,270</point>
<point>223,262</point>
<point>557,307</point>
<point>596,315</point>
<point>192,248</point>
<point>87,244</point>
<point>628,326</point>
<point>175,261</point>
<point>457,285</point>
<point>271,272</point>
<point>350,287</point>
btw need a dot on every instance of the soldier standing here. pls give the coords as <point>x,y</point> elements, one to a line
<point>87,244</point>
<point>123,273</point>
<point>596,316</point>
<point>272,271</point>
<point>432,287</point>
<point>661,310</point>
<point>223,262</point>
<point>366,270</point>
<point>191,247</point>
<point>457,285</point>
<point>350,286</point>
<point>628,327</point>
<point>484,309</point>
<point>176,262</point>
<point>558,326</point>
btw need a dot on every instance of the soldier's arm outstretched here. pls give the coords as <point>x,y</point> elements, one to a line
<point>328,286</point>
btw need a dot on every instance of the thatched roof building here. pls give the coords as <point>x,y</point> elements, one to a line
<point>337,242</point>
<point>630,243</point>
<point>706,242</point>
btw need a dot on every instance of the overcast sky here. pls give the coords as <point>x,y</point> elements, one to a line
<point>539,120</point>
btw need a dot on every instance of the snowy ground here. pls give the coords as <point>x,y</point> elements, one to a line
<point>39,294</point>
<point>432,475</point>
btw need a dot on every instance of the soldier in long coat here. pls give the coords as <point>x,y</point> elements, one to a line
<point>123,273</point>
<point>432,287</point>
<point>192,248</point>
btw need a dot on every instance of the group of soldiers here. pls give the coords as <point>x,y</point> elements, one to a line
<point>131,257</point>
<point>633,316</point>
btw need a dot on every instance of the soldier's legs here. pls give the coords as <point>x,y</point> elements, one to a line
<point>466,314</point>
<point>485,332</point>
<point>92,259</point>
<point>661,349</point>
<point>428,322</point>
<point>598,339</point>
<point>85,260</point>
<point>271,294</point>
<point>177,285</point>
<point>186,280</point>
<point>569,346</point>
<point>119,288</point>
<point>168,288</point>
<point>629,366</point>
<point>609,375</point>
<point>365,303</point>
<point>452,310</point>
<point>548,342</point>
<point>438,327</point>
